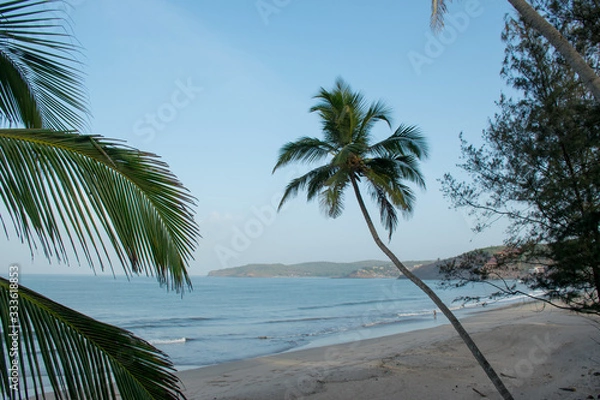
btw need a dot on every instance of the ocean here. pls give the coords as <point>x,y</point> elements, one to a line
<point>227,319</point>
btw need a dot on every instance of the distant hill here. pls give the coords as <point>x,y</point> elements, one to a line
<point>360,269</point>
<point>426,269</point>
<point>431,270</point>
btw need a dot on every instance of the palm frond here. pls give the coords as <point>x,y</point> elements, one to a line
<point>82,358</point>
<point>388,172</point>
<point>86,188</point>
<point>408,170</point>
<point>314,181</point>
<point>331,198</point>
<point>397,167</point>
<point>345,155</point>
<point>40,80</point>
<point>318,180</point>
<point>387,210</point>
<point>400,168</point>
<point>17,102</point>
<point>377,111</point>
<point>397,193</point>
<point>305,149</point>
<point>331,202</point>
<point>438,10</point>
<point>341,112</point>
<point>406,140</point>
<point>384,179</point>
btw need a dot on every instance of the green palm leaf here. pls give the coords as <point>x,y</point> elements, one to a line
<point>314,181</point>
<point>384,181</point>
<point>378,111</point>
<point>387,210</point>
<point>344,114</point>
<point>40,83</point>
<point>406,139</point>
<point>83,358</point>
<point>331,197</point>
<point>66,191</point>
<point>394,168</point>
<point>305,149</point>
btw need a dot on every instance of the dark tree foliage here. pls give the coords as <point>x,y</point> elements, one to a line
<point>539,166</point>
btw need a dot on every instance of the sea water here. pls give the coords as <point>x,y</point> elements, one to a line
<point>226,319</point>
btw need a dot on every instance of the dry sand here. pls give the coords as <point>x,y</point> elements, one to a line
<point>541,353</point>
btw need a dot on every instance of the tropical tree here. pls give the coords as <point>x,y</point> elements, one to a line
<point>586,73</point>
<point>539,169</point>
<point>81,197</point>
<point>382,168</point>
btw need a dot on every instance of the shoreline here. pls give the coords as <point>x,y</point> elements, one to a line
<point>540,352</point>
<point>377,331</point>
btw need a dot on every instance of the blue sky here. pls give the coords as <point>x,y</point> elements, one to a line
<point>217,87</point>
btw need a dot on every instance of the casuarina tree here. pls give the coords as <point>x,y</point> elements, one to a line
<point>539,167</point>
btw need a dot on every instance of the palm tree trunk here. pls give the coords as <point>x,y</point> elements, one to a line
<point>489,370</point>
<point>586,73</point>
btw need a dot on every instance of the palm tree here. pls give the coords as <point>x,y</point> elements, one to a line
<point>588,76</point>
<point>383,167</point>
<point>77,196</point>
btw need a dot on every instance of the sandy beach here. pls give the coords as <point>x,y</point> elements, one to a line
<point>541,353</point>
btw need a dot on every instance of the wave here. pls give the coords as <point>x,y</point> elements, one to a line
<point>353,303</point>
<point>392,322</point>
<point>381,314</point>
<point>416,313</point>
<point>305,319</point>
<point>164,322</point>
<point>169,341</point>
<point>401,318</point>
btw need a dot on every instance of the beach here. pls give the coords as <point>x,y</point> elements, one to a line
<point>541,352</point>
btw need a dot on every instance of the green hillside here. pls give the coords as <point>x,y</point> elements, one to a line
<point>425,269</point>
<point>360,269</point>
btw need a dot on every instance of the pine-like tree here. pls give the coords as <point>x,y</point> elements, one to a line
<point>539,165</point>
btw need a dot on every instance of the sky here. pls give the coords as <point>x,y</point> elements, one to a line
<point>217,87</point>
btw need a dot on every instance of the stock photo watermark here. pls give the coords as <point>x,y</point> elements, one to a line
<point>435,45</point>
<point>14,329</point>
<point>539,353</point>
<point>244,234</point>
<point>314,376</point>
<point>151,123</point>
<point>267,8</point>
